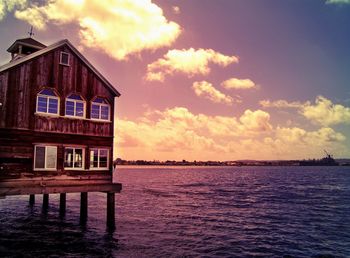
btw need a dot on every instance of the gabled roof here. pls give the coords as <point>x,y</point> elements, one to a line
<point>54,46</point>
<point>29,42</point>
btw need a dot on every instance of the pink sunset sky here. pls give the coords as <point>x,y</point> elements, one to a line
<point>209,79</point>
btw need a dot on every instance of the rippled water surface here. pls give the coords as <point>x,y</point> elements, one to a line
<point>193,212</point>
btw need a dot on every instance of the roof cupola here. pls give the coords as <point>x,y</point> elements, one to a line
<point>24,47</point>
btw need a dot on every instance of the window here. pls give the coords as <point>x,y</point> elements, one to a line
<point>45,157</point>
<point>75,106</point>
<point>47,102</point>
<point>73,158</point>
<point>64,58</point>
<point>100,109</point>
<point>99,158</point>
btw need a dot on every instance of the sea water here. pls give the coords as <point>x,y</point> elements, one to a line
<point>192,212</point>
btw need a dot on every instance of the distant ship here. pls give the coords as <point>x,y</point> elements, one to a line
<point>328,160</point>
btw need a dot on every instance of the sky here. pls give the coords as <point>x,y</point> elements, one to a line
<point>209,79</point>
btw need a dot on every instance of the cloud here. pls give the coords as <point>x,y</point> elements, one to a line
<point>175,121</point>
<point>234,83</point>
<point>297,135</point>
<point>297,143</point>
<point>119,28</point>
<point>3,9</point>
<point>338,2</point>
<point>256,121</point>
<point>10,5</point>
<point>282,104</point>
<point>173,130</point>
<point>176,9</point>
<point>177,133</point>
<point>325,113</point>
<point>206,90</point>
<point>187,61</point>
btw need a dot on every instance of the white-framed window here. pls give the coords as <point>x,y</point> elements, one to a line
<point>64,58</point>
<point>45,157</point>
<point>99,158</point>
<point>75,106</point>
<point>100,109</point>
<point>74,158</point>
<point>47,102</point>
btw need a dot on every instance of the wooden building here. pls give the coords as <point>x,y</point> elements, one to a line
<point>56,122</point>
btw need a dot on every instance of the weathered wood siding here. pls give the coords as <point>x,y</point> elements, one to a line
<point>17,151</point>
<point>21,128</point>
<point>75,126</point>
<point>19,86</point>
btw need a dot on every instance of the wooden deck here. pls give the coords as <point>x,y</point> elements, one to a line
<point>58,184</point>
<point>62,185</point>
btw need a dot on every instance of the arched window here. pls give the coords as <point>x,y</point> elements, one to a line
<point>100,109</point>
<point>47,102</point>
<point>75,106</point>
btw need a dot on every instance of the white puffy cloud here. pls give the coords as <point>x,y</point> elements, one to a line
<point>256,121</point>
<point>325,113</point>
<point>338,2</point>
<point>206,90</point>
<point>304,144</point>
<point>2,10</point>
<point>172,131</point>
<point>117,27</point>
<point>281,104</point>
<point>187,61</point>
<point>297,143</point>
<point>235,83</point>
<point>180,119</point>
<point>10,5</point>
<point>177,133</point>
<point>296,135</point>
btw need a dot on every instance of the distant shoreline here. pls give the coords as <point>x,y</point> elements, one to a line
<point>184,163</point>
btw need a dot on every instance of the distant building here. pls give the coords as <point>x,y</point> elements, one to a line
<point>56,113</point>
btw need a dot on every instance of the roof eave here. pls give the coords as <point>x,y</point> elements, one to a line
<point>21,41</point>
<point>13,46</point>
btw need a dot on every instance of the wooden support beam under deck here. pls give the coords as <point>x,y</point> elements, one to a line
<point>83,207</point>
<point>31,200</point>
<point>63,197</point>
<point>45,201</point>
<point>110,210</point>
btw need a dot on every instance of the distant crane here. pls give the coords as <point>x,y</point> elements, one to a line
<point>328,155</point>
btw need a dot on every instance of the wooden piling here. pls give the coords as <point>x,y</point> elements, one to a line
<point>110,210</point>
<point>83,207</point>
<point>63,204</point>
<point>31,199</point>
<point>45,201</point>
